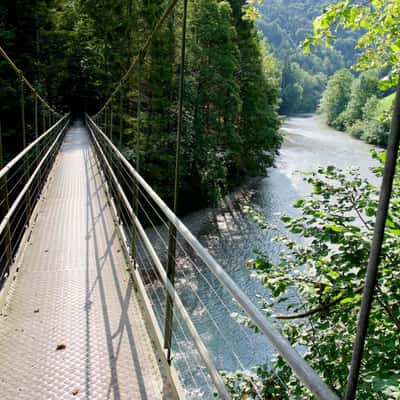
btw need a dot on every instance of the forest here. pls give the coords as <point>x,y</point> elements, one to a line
<point>75,53</point>
<point>324,80</point>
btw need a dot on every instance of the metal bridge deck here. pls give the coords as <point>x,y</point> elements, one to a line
<point>73,293</point>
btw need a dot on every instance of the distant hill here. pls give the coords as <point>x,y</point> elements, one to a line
<point>285,24</point>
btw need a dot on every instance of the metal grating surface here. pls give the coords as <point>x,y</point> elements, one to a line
<point>72,290</point>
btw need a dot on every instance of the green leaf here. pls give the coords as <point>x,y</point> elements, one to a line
<point>334,228</point>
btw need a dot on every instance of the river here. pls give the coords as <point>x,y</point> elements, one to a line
<point>230,237</point>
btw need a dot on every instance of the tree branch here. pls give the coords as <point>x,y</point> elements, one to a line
<point>365,223</point>
<point>316,310</point>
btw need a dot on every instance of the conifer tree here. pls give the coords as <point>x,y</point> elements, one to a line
<point>259,123</point>
<point>213,96</point>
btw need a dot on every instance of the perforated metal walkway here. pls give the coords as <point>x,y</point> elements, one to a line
<point>72,327</point>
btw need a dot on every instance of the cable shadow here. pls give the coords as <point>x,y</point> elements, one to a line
<point>104,257</point>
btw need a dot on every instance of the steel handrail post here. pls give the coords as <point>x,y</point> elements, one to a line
<point>28,208</point>
<point>106,121</point>
<point>171,264</point>
<point>22,154</point>
<point>36,136</point>
<point>43,119</point>
<point>111,122</point>
<point>137,160</point>
<point>121,122</point>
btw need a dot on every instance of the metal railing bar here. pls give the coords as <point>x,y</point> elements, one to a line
<point>115,164</point>
<point>17,235</point>
<point>181,248</point>
<point>132,182</point>
<point>190,259</point>
<point>185,253</point>
<point>12,162</point>
<point>299,366</point>
<point>147,307</point>
<point>7,217</point>
<point>196,295</point>
<point>15,223</point>
<point>3,262</point>
<point>7,180</point>
<point>215,376</point>
<point>22,177</point>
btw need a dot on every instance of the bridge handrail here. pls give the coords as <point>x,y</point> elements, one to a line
<point>201,348</point>
<point>19,156</point>
<point>299,366</point>
<point>24,190</point>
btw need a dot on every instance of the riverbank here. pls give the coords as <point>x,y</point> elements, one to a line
<point>308,143</point>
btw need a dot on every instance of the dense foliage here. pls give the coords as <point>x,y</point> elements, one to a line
<point>33,34</point>
<point>316,283</point>
<point>336,97</point>
<point>355,105</point>
<point>286,24</point>
<point>230,100</point>
<point>76,51</point>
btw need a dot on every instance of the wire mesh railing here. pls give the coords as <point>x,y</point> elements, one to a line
<point>21,182</point>
<point>146,223</point>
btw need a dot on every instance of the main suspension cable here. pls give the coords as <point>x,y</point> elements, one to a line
<point>25,81</point>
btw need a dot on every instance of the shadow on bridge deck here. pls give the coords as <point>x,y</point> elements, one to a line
<point>73,292</point>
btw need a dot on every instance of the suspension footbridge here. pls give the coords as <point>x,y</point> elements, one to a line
<point>76,315</point>
<point>89,305</point>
